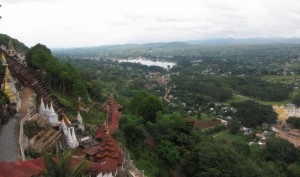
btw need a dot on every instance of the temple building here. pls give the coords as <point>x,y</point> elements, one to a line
<point>107,157</point>
<point>8,86</point>
<point>113,115</point>
<point>80,122</point>
<point>10,49</point>
<point>284,112</point>
<point>49,113</point>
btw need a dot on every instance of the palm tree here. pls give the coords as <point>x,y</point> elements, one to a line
<point>60,166</point>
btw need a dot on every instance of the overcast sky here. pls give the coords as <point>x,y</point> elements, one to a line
<point>74,23</point>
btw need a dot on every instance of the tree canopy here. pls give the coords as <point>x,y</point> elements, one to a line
<point>62,77</point>
<point>294,121</point>
<point>146,105</point>
<point>252,114</point>
<point>280,149</point>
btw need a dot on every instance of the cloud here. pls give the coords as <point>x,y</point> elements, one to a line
<point>26,1</point>
<point>63,23</point>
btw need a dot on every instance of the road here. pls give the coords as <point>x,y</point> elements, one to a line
<point>166,95</point>
<point>285,135</point>
<point>8,141</point>
<point>9,132</point>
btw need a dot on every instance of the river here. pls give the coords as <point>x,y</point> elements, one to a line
<point>147,62</point>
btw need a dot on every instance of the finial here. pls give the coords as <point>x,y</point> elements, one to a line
<point>106,128</point>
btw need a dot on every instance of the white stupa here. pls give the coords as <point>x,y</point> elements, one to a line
<point>53,117</point>
<point>47,112</point>
<point>74,137</point>
<point>42,108</point>
<point>64,128</point>
<point>80,122</point>
<point>71,138</point>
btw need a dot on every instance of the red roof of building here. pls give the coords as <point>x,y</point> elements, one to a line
<point>113,120</point>
<point>22,168</point>
<point>107,166</point>
<point>91,151</point>
<point>108,155</point>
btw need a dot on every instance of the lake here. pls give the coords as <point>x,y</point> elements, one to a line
<point>144,61</point>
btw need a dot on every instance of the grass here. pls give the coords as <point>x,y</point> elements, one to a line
<point>281,78</point>
<point>236,98</point>
<point>229,138</point>
<point>205,117</point>
<point>273,102</point>
<point>240,98</point>
<point>95,116</point>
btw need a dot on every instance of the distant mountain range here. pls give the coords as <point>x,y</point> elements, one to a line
<point>234,41</point>
<point>216,41</point>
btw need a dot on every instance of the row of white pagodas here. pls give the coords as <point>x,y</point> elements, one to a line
<point>49,113</point>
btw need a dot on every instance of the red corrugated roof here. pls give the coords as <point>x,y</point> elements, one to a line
<point>107,166</point>
<point>108,155</point>
<point>22,168</point>
<point>113,122</point>
<point>92,150</point>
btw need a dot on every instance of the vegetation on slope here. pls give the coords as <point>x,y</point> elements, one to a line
<point>59,76</point>
<point>19,46</point>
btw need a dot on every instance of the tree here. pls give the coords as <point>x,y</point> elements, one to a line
<point>234,126</point>
<point>293,170</point>
<point>218,160</point>
<point>168,153</point>
<point>280,149</point>
<point>145,105</point>
<point>294,121</point>
<point>133,130</point>
<point>59,76</point>
<point>296,100</point>
<point>253,114</point>
<point>60,166</point>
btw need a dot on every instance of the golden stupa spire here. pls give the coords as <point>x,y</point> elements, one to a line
<point>7,91</point>
<point>7,73</point>
<point>106,128</point>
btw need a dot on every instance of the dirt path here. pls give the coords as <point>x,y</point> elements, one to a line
<point>218,134</point>
<point>28,102</point>
<point>286,135</point>
<point>166,95</point>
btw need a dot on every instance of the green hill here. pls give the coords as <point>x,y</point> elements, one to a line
<point>19,46</point>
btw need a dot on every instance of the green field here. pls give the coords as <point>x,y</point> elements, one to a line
<point>281,78</point>
<point>229,138</point>
<point>206,117</point>
<point>236,98</point>
<point>239,98</point>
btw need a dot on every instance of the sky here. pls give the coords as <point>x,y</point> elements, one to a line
<point>84,23</point>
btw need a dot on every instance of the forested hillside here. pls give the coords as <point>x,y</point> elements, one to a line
<point>19,46</point>
<point>164,110</point>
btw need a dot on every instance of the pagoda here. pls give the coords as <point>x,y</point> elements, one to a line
<point>8,86</point>
<point>10,49</point>
<point>106,157</point>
